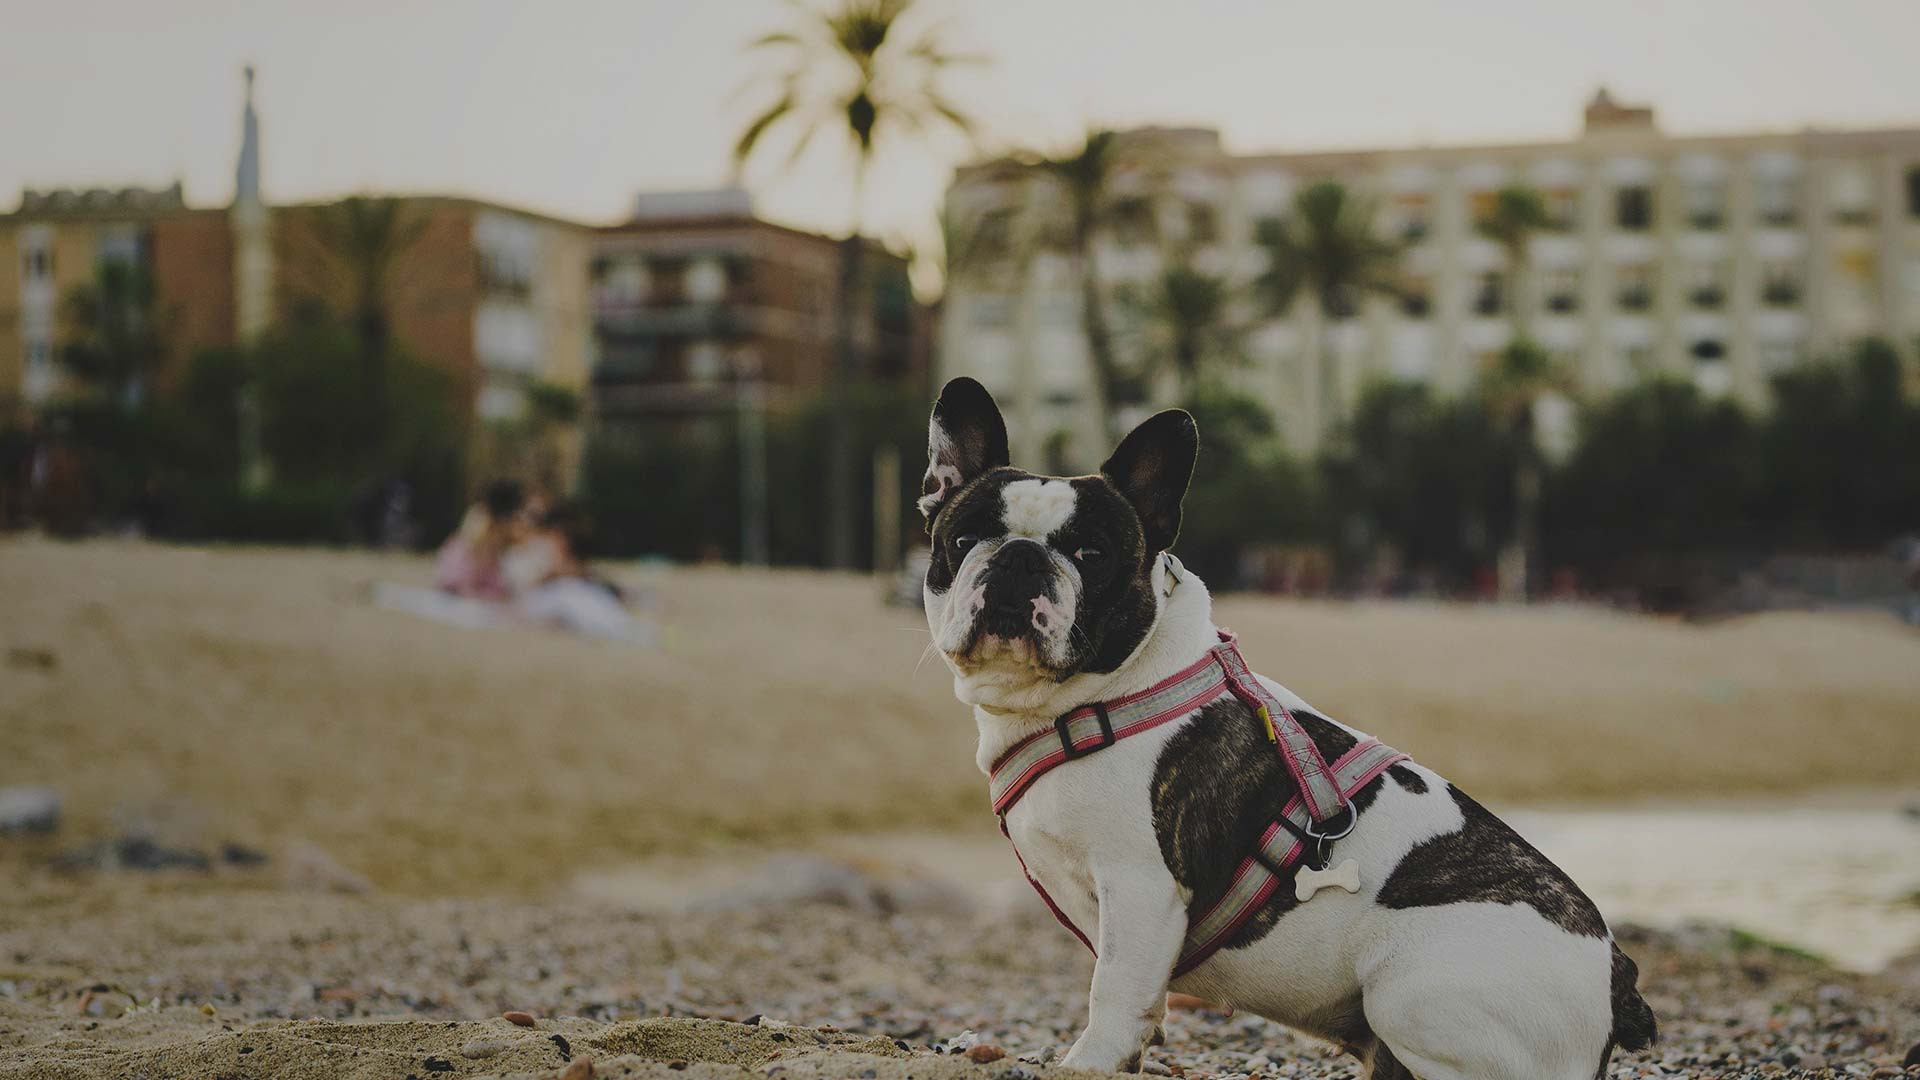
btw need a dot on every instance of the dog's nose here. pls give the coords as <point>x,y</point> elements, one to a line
<point>1022,557</point>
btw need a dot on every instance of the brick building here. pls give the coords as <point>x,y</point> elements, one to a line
<point>695,294</point>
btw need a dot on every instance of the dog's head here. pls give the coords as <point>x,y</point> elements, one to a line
<point>1040,578</point>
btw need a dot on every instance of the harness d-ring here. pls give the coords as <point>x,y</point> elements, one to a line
<point>1353,818</point>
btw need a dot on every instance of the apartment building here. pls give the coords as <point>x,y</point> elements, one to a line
<point>1722,259</point>
<point>495,296</point>
<point>56,241</point>
<point>696,298</point>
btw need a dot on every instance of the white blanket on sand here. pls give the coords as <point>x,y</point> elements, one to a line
<point>580,607</point>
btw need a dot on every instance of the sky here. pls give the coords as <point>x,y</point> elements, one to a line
<point>571,106</point>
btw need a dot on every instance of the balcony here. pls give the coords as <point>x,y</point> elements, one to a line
<point>673,321</point>
<point>1636,298</point>
<point>1780,294</point>
<point>1707,296</point>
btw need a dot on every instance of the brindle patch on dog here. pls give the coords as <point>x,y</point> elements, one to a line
<point>1217,786</point>
<point>1411,782</point>
<point>1485,861</point>
<point>1634,1027</point>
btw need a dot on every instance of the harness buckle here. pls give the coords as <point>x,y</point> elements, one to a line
<point>1062,725</point>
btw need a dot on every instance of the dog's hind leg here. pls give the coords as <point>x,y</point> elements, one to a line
<point>1382,1065</point>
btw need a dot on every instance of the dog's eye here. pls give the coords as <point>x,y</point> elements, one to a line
<point>1088,554</point>
<point>962,543</point>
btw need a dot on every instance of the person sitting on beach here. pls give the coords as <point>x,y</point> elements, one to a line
<point>554,585</point>
<point>469,563</point>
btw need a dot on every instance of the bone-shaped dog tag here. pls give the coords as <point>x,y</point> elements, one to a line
<point>1310,881</point>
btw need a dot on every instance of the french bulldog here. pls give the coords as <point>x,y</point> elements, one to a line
<point>1453,950</point>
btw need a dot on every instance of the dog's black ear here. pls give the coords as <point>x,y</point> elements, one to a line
<point>965,438</point>
<point>1152,468</point>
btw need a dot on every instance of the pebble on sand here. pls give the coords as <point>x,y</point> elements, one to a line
<point>518,1018</point>
<point>580,1068</point>
<point>984,1053</point>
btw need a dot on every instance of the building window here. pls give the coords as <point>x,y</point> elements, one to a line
<point>1415,213</point>
<point>1633,208</point>
<point>1778,356</point>
<point>1707,285</point>
<point>1133,221</point>
<point>1561,291</point>
<point>1489,298</point>
<point>37,264</point>
<point>1775,199</point>
<point>1563,209</point>
<point>1636,287</point>
<point>503,273</point>
<point>706,281</point>
<point>1858,266</point>
<point>1780,285</point>
<point>623,282</point>
<point>1913,191</point>
<point>1203,224</point>
<point>1850,194</point>
<point>992,238</point>
<point>1706,204</point>
<point>1416,298</point>
<point>706,362</point>
<point>1712,375</point>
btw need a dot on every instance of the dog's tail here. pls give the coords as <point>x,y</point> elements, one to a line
<point>1634,1027</point>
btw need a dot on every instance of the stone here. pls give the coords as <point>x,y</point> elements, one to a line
<point>29,810</point>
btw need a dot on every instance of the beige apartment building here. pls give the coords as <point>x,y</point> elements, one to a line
<point>1720,259</point>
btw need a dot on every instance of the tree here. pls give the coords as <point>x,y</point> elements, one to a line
<point>116,346</point>
<point>1246,490</point>
<point>1841,451</point>
<point>1326,248</point>
<point>1190,312</point>
<point>1519,381</point>
<point>1425,475</point>
<point>850,70</point>
<point>118,342</point>
<point>1517,214</point>
<point>1661,473</point>
<point>1084,179</point>
<point>361,241</point>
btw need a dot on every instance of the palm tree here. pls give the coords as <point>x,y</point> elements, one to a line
<point>849,70</point>
<point>1192,314</point>
<point>1513,388</point>
<point>1083,177</point>
<point>1517,214</point>
<point>362,239</point>
<point>1328,249</point>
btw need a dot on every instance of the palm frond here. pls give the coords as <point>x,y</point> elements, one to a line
<point>777,37</point>
<point>750,138</point>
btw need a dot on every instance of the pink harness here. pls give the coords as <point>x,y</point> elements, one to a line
<point>1325,789</point>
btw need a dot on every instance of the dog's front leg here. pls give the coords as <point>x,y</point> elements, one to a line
<point>1142,925</point>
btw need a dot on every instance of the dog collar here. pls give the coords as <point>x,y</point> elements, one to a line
<point>1318,815</point>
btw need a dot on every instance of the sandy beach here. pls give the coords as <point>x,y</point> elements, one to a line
<point>410,829</point>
